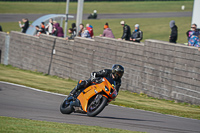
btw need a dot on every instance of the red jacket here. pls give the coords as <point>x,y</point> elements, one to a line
<point>90,31</point>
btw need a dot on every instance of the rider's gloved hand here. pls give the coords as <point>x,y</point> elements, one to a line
<point>93,76</point>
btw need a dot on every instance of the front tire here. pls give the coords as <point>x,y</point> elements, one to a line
<point>95,108</point>
<point>65,108</point>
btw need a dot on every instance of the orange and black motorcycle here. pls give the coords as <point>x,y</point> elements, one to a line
<point>91,100</point>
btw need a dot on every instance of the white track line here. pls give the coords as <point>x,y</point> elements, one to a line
<point>33,88</point>
<point>109,104</point>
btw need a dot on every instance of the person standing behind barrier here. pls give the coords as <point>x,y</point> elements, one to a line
<point>49,27</point>
<point>38,30</point>
<point>90,29</point>
<point>81,30</point>
<point>74,28</point>
<point>107,32</point>
<point>42,28</point>
<point>194,37</point>
<point>193,31</point>
<point>25,25</point>
<point>57,30</point>
<point>126,31</point>
<point>137,34</point>
<point>85,33</point>
<point>174,32</point>
<point>70,30</point>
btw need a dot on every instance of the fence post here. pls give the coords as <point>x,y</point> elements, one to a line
<point>6,53</point>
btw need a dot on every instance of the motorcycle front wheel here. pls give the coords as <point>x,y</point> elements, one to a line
<point>65,107</point>
<point>95,108</point>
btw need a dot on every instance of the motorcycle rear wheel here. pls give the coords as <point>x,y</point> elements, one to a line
<point>95,108</point>
<point>66,108</point>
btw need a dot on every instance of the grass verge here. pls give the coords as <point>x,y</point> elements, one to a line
<point>101,7</point>
<point>9,125</point>
<point>153,28</point>
<point>125,98</point>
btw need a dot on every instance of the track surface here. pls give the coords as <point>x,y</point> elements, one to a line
<point>22,102</point>
<point>32,17</point>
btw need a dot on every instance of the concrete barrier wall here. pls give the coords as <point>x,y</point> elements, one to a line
<point>30,52</point>
<point>2,46</point>
<point>171,71</point>
<point>156,68</point>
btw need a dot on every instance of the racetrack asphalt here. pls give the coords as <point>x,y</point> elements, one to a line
<point>17,17</point>
<point>23,102</point>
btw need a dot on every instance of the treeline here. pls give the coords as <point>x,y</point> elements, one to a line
<point>86,0</point>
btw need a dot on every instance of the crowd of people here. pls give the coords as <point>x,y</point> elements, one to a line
<point>193,34</point>
<point>53,28</point>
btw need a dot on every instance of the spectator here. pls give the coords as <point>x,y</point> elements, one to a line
<point>81,30</point>
<point>194,41</point>
<point>43,28</point>
<point>107,32</point>
<point>189,34</point>
<point>194,36</point>
<point>57,30</point>
<point>25,25</point>
<point>90,29</point>
<point>174,32</point>
<point>1,28</point>
<point>74,28</point>
<point>38,30</point>
<point>85,33</point>
<point>193,31</point>
<point>70,30</point>
<point>93,15</point>
<point>49,27</point>
<point>54,22</point>
<point>126,31</point>
<point>137,34</point>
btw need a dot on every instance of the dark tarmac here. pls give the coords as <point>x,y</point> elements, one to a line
<point>32,17</point>
<point>21,102</point>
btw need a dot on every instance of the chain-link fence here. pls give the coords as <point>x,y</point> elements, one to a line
<point>86,0</point>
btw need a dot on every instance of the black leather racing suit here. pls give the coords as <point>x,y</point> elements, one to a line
<point>103,73</point>
<point>108,73</point>
<point>126,32</point>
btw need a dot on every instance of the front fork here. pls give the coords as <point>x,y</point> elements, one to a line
<point>75,103</point>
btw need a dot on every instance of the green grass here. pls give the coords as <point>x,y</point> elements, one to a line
<point>125,98</point>
<point>10,125</point>
<point>36,80</point>
<point>101,7</point>
<point>153,28</point>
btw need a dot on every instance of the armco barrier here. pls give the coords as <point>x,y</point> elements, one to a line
<point>156,68</point>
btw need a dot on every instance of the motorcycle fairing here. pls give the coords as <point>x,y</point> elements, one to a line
<point>96,89</point>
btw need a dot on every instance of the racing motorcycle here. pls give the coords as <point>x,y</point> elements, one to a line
<point>91,100</point>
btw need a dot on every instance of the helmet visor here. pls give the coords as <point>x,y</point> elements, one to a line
<point>120,74</point>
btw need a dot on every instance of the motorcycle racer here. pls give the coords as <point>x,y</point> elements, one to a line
<point>115,73</point>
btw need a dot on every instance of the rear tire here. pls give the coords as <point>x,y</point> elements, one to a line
<point>93,112</point>
<point>65,108</point>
